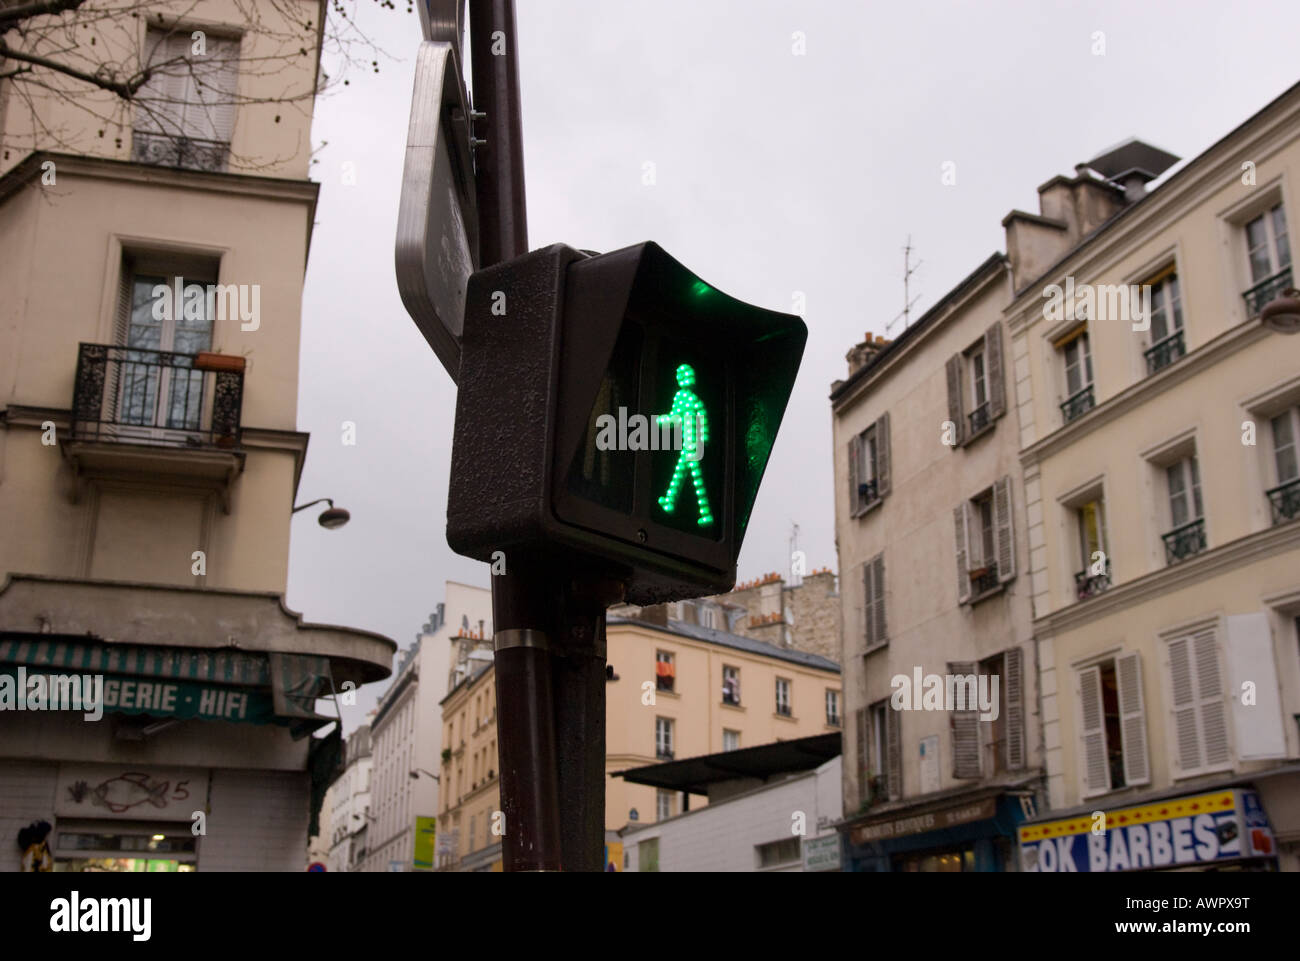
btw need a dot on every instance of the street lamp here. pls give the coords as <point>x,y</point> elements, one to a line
<point>331,518</point>
<point>415,775</point>
<point>1282,314</point>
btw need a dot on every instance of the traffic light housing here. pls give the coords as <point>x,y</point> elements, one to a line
<point>618,412</point>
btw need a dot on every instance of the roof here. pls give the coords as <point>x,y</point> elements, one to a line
<point>1132,155</point>
<point>996,259</point>
<point>695,774</point>
<point>712,636</point>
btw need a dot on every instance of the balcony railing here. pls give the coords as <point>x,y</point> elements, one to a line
<point>1185,541</point>
<point>1078,404</point>
<point>1088,585</point>
<point>157,397</point>
<point>663,754</point>
<point>867,492</point>
<point>1268,289</point>
<point>783,709</point>
<point>168,150</point>
<point>1165,352</point>
<point>979,418</point>
<point>983,580</point>
<point>1285,501</point>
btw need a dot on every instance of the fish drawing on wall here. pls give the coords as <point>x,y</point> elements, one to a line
<point>125,791</point>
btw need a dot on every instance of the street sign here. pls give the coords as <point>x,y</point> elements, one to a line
<point>437,220</point>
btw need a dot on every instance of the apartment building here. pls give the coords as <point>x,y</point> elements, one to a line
<point>932,555</point>
<point>1163,501</point>
<point>407,732</point>
<point>673,690</point>
<point>341,845</point>
<point>149,451</point>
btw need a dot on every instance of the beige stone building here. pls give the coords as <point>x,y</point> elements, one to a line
<point>932,554</point>
<point>674,690</point>
<point>1163,501</point>
<point>150,457</point>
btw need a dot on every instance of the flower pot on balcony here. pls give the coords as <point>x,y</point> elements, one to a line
<point>206,360</point>
<point>978,572</point>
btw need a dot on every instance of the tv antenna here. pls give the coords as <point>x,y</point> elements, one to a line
<point>908,300</point>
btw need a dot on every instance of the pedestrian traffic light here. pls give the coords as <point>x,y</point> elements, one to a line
<point>617,409</point>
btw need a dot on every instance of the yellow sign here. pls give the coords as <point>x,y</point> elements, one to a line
<point>426,832</point>
<point>1160,811</point>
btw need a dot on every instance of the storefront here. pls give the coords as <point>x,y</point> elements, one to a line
<point>1215,830</point>
<point>973,833</point>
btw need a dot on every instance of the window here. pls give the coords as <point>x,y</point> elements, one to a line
<point>985,542</point>
<point>1199,718</point>
<point>647,855</point>
<point>472,824</point>
<point>665,671</point>
<point>783,697</point>
<point>873,604</point>
<point>731,686</point>
<point>1003,738</point>
<point>185,114</point>
<point>1267,247</point>
<point>1094,561</point>
<point>1077,358</point>
<point>1187,534</point>
<point>664,804</point>
<point>976,393</point>
<point>869,466</point>
<point>1166,323</point>
<point>880,756</point>
<point>1284,498</point>
<point>664,738</point>
<point>730,740</point>
<point>833,708</point>
<point>1113,725</point>
<point>707,615</point>
<point>779,853</point>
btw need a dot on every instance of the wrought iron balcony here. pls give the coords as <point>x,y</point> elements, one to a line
<point>983,580</point>
<point>833,720</point>
<point>1088,585</point>
<point>1266,290</point>
<point>1078,404</point>
<point>1185,541</point>
<point>169,150</point>
<point>1165,352</point>
<point>663,754</point>
<point>156,397</point>
<point>1285,501</point>
<point>867,492</point>
<point>979,418</point>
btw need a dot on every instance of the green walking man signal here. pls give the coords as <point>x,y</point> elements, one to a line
<point>688,411</point>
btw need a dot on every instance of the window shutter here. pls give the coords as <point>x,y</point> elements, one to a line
<point>1015,708</point>
<point>882,455</point>
<point>864,757</point>
<point>1183,687</point>
<point>121,329</point>
<point>1096,767</point>
<point>878,581</point>
<point>1132,719</point>
<point>965,732</point>
<point>1213,713</point>
<point>869,604</point>
<point>211,113</point>
<point>894,736</point>
<point>954,399</point>
<point>993,371</point>
<point>855,458</point>
<point>963,568</point>
<point>1002,518</point>
<point>161,101</point>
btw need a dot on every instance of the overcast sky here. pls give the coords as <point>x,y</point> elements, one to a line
<point>776,173</point>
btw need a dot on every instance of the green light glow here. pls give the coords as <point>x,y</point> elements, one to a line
<point>700,288</point>
<point>689,412</point>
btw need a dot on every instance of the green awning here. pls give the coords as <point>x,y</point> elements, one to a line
<point>97,657</point>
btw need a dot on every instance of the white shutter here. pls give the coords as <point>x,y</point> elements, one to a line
<point>963,567</point>
<point>1015,708</point>
<point>211,89</point>
<point>1213,709</point>
<point>161,101</point>
<point>878,585</point>
<point>1096,767</point>
<point>882,455</point>
<point>953,372</point>
<point>1006,543</point>
<point>855,459</point>
<point>1132,719</point>
<point>965,726</point>
<point>1182,681</point>
<point>993,371</point>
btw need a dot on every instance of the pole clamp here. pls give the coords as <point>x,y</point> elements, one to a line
<point>521,637</point>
